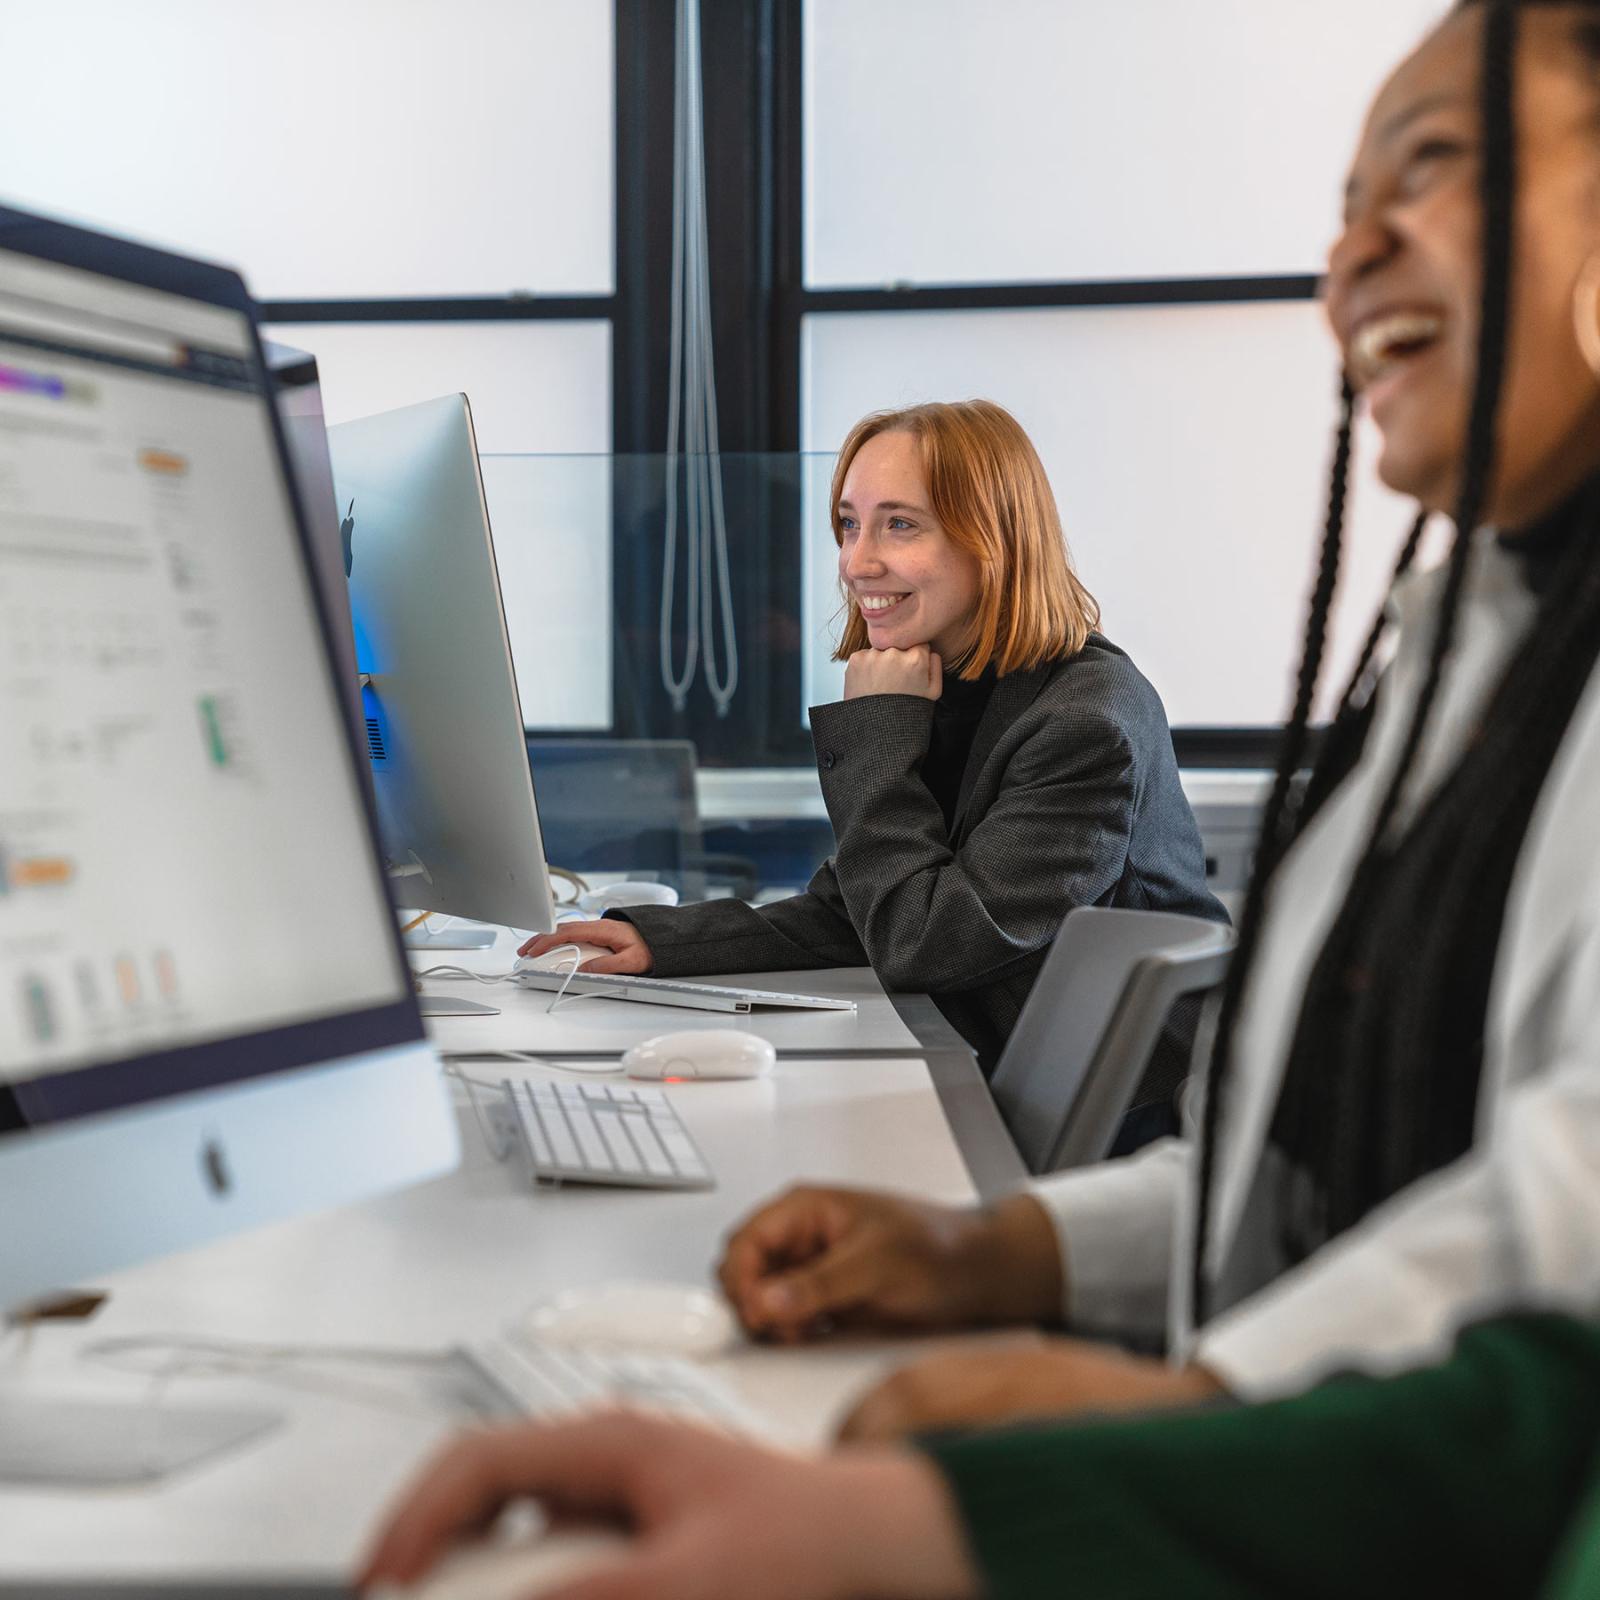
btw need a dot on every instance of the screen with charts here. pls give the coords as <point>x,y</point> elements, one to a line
<point>183,852</point>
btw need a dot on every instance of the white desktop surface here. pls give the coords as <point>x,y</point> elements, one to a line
<point>452,1259</point>
<point>594,1025</point>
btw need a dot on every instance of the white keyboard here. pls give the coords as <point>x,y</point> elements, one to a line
<point>518,1378</point>
<point>673,992</point>
<point>602,1133</point>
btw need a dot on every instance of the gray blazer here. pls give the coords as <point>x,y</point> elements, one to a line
<point>1070,797</point>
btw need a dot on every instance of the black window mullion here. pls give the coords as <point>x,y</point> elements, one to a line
<point>448,308</point>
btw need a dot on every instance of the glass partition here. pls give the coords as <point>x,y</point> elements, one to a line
<point>659,763</point>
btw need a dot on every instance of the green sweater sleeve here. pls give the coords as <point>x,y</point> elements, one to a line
<point>1459,1479</point>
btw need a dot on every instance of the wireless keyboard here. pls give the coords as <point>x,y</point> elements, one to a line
<point>673,992</point>
<point>526,1378</point>
<point>601,1133</point>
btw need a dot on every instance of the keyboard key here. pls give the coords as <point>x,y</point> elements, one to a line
<point>543,1155</point>
<point>617,1141</point>
<point>656,1160</point>
<point>568,1156</point>
<point>593,1146</point>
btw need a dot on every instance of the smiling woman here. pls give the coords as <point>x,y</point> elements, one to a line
<point>994,763</point>
<point>979,545</point>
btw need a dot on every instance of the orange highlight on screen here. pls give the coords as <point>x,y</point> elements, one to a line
<point>128,981</point>
<point>166,462</point>
<point>42,872</point>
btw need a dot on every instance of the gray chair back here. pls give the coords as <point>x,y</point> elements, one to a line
<point>1086,1035</point>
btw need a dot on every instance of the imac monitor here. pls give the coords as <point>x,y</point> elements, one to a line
<point>206,1017</point>
<point>443,719</point>
<point>297,388</point>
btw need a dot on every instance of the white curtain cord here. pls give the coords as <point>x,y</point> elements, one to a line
<point>692,407</point>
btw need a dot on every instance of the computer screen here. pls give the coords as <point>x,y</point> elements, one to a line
<point>440,704</point>
<point>297,386</point>
<point>206,1019</point>
<point>175,764</point>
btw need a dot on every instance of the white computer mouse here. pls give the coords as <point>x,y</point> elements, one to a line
<point>561,958</point>
<point>671,1318</point>
<point>699,1053</point>
<point>614,896</point>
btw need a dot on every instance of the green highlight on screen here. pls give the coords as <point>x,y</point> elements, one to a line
<point>211,723</point>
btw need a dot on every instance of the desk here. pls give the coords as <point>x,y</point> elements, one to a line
<point>882,1026</point>
<point>452,1259</point>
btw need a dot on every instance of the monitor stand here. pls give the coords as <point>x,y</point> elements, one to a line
<point>445,1005</point>
<point>463,936</point>
<point>69,1441</point>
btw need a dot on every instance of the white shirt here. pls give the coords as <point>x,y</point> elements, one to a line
<point>1514,1222</point>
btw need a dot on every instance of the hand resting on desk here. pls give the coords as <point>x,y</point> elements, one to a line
<point>709,1515</point>
<point>629,952</point>
<point>822,1258</point>
<point>816,1259</point>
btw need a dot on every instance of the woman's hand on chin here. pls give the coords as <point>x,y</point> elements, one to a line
<point>916,671</point>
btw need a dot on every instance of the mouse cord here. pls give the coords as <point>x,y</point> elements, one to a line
<point>167,1358</point>
<point>462,972</point>
<point>561,997</point>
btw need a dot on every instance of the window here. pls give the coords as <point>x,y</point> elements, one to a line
<point>1188,449</point>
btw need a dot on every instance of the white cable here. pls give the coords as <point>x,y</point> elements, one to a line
<point>711,461</point>
<point>692,405</point>
<point>561,995</point>
<point>676,686</point>
<point>164,1359</point>
<point>499,1148</point>
<point>462,972</point>
<point>526,1058</point>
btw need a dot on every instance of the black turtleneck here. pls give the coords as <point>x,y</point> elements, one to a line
<point>956,715</point>
<point>1541,547</point>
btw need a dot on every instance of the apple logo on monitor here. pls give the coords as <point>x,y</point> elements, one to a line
<point>347,533</point>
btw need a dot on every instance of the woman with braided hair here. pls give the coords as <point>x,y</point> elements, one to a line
<point>1402,1120</point>
<point>1400,1131</point>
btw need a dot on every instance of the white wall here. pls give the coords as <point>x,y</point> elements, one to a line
<point>955,142</point>
<point>1188,450</point>
<point>329,148</point>
<point>534,386</point>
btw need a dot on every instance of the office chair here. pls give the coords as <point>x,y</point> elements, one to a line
<point>1087,1032</point>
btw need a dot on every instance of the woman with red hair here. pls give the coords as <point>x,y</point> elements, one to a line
<point>995,761</point>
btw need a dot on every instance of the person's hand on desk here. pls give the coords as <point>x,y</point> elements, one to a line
<point>816,1258</point>
<point>1057,1378</point>
<point>629,952</point>
<point>710,1515</point>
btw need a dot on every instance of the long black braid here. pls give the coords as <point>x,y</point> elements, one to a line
<point>1497,189</point>
<point>1275,826</point>
<point>1346,734</point>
